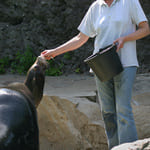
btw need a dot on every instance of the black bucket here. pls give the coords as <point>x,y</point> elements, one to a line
<point>106,63</point>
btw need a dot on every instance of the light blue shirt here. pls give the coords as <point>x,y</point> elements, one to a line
<point>107,24</point>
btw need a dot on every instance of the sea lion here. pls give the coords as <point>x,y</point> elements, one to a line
<point>18,116</point>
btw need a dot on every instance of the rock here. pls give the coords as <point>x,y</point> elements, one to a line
<point>141,84</point>
<point>142,120</point>
<point>142,99</point>
<point>89,108</point>
<point>138,145</point>
<point>76,123</point>
<point>141,110</point>
<point>63,127</point>
<point>78,106</point>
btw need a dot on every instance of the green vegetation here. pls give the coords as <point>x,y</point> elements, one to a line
<point>4,63</point>
<point>77,70</point>
<point>54,68</point>
<point>23,61</point>
<point>68,56</point>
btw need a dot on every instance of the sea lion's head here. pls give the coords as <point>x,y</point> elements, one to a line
<point>36,77</point>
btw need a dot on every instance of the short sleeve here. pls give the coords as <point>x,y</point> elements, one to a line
<point>86,25</point>
<point>137,12</point>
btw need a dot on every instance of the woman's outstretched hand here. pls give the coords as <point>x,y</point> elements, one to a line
<point>48,54</point>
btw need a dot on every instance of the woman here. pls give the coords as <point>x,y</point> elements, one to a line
<point>113,21</point>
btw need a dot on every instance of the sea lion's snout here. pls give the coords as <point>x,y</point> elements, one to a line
<point>41,62</point>
<point>40,65</point>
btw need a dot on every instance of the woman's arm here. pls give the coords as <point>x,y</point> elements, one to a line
<point>71,45</point>
<point>142,31</point>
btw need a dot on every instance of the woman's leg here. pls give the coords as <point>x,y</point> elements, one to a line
<point>123,93</point>
<point>108,109</point>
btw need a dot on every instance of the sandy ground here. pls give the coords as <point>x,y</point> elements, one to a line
<point>76,85</point>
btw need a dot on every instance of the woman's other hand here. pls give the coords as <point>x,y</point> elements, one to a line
<point>142,31</point>
<point>120,43</point>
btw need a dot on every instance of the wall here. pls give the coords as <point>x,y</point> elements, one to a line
<point>45,24</point>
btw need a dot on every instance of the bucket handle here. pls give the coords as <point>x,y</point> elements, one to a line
<point>107,49</point>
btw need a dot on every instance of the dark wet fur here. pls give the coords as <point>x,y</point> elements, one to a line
<point>18,117</point>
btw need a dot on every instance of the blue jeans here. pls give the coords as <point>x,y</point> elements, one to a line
<point>115,100</point>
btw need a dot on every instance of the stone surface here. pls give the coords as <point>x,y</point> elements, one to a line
<point>78,121</point>
<point>138,145</point>
<point>62,126</point>
<point>141,109</point>
<point>45,24</point>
